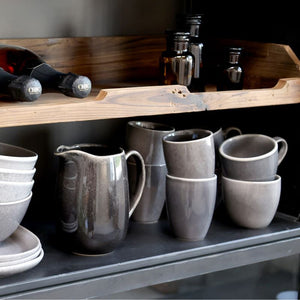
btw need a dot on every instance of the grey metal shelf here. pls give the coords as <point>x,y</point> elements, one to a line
<point>149,255</point>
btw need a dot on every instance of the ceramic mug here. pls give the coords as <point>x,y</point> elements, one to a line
<point>190,206</point>
<point>146,138</point>
<point>252,156</point>
<point>153,198</point>
<point>94,197</point>
<point>190,153</point>
<point>221,134</point>
<point>251,204</point>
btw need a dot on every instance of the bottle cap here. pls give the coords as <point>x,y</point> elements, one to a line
<point>194,19</point>
<point>77,86</point>
<point>25,88</point>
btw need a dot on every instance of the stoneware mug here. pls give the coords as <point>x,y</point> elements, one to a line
<point>252,156</point>
<point>190,153</point>
<point>251,204</point>
<point>153,198</point>
<point>93,194</point>
<point>146,138</point>
<point>190,206</point>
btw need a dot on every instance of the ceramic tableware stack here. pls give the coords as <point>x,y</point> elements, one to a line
<point>191,183</point>
<point>251,186</point>
<point>16,182</point>
<point>146,138</point>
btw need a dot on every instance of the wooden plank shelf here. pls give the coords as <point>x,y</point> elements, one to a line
<point>141,101</point>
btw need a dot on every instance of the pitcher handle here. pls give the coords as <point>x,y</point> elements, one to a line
<point>283,149</point>
<point>227,130</point>
<point>141,177</point>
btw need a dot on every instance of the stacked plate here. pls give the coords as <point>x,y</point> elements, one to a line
<point>19,252</point>
<point>19,248</point>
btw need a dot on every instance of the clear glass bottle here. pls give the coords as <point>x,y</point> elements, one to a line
<point>177,63</point>
<point>230,76</point>
<point>193,24</point>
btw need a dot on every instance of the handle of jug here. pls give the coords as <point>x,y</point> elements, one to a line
<point>141,178</point>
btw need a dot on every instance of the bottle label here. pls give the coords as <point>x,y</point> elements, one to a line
<point>34,90</point>
<point>84,87</point>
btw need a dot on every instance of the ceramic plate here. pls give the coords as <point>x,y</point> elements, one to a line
<point>21,244</point>
<point>14,269</point>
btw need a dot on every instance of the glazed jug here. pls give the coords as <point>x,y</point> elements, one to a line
<point>93,196</point>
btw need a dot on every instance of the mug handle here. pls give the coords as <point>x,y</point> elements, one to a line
<point>283,149</point>
<point>140,168</point>
<point>227,130</point>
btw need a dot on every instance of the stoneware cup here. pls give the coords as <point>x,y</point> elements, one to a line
<point>146,138</point>
<point>93,193</point>
<point>252,156</point>
<point>251,204</point>
<point>190,153</point>
<point>190,206</point>
<point>153,198</point>
<point>13,157</point>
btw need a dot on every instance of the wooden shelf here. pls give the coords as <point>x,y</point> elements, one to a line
<point>141,101</point>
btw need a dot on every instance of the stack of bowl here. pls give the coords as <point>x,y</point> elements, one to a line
<point>16,182</point>
<point>251,186</point>
<point>191,183</point>
<point>146,138</point>
<point>20,249</point>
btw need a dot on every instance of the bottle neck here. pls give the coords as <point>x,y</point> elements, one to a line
<point>234,58</point>
<point>194,30</point>
<point>179,46</point>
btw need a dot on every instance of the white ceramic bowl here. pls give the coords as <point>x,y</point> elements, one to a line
<point>16,175</point>
<point>13,157</point>
<point>11,191</point>
<point>11,215</point>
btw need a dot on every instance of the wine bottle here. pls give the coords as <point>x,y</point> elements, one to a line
<point>21,61</point>
<point>20,88</point>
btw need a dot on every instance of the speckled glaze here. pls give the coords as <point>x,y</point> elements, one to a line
<point>93,193</point>
<point>146,138</point>
<point>251,204</point>
<point>190,153</point>
<point>190,206</point>
<point>11,191</point>
<point>11,215</point>
<point>252,157</point>
<point>153,198</point>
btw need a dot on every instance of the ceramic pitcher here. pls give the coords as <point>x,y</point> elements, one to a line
<point>93,195</point>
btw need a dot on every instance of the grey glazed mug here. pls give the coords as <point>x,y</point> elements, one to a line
<point>93,194</point>
<point>190,153</point>
<point>190,206</point>
<point>146,138</point>
<point>153,198</point>
<point>251,204</point>
<point>252,156</point>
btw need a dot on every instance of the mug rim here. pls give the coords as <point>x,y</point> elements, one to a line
<point>185,179</point>
<point>182,132</point>
<point>246,159</point>
<point>275,180</point>
<point>136,125</point>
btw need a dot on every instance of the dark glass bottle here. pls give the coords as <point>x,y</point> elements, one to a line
<point>230,75</point>
<point>193,24</point>
<point>19,88</point>
<point>177,63</point>
<point>21,61</point>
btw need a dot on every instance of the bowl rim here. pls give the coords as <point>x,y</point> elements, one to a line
<point>17,201</point>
